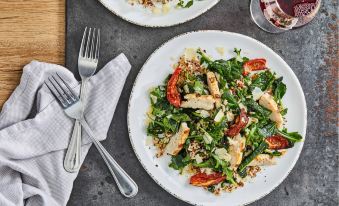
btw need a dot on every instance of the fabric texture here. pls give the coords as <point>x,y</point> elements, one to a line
<point>32,149</point>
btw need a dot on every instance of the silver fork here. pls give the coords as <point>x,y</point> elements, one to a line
<point>87,64</point>
<point>73,107</point>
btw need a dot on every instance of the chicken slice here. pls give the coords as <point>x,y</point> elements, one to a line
<point>236,149</point>
<point>197,101</point>
<point>277,118</point>
<point>213,85</point>
<point>267,101</point>
<point>177,141</point>
<point>263,160</point>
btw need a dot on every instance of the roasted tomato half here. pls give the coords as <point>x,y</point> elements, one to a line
<point>205,180</point>
<point>173,95</point>
<point>254,65</point>
<point>240,122</point>
<point>277,142</point>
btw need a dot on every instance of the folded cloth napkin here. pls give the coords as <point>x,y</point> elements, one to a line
<point>32,149</point>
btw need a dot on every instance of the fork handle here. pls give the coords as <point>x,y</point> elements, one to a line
<point>72,161</point>
<point>125,183</point>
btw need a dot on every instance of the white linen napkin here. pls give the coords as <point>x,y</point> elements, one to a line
<point>32,149</point>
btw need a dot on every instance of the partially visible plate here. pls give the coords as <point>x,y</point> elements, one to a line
<point>158,67</point>
<point>139,15</point>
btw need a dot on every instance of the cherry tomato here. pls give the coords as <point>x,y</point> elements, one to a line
<point>239,124</point>
<point>254,65</point>
<point>205,180</point>
<point>173,95</point>
<point>277,142</point>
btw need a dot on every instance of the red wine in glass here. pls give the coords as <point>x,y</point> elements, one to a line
<point>283,14</point>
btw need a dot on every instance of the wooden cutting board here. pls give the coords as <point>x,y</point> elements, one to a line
<point>29,30</point>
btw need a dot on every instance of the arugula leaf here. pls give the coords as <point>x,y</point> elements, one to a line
<point>158,112</point>
<point>169,125</point>
<point>292,136</point>
<point>181,117</point>
<point>182,4</point>
<point>232,102</point>
<point>208,163</point>
<point>260,149</point>
<point>284,112</point>
<point>223,166</point>
<point>154,128</point>
<point>254,137</point>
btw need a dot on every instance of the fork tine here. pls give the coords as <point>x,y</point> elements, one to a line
<point>81,52</point>
<point>69,97</point>
<point>91,55</point>
<point>56,93</point>
<point>88,43</point>
<point>97,47</point>
<point>58,89</point>
<point>71,91</point>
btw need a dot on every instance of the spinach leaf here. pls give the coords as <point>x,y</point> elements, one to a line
<point>178,162</point>
<point>230,69</point>
<point>268,130</point>
<point>292,136</point>
<point>263,81</point>
<point>253,106</point>
<point>279,89</point>
<point>154,129</point>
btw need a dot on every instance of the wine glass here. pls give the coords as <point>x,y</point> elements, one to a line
<point>276,16</point>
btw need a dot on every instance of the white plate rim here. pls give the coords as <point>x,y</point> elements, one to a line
<point>304,105</point>
<point>160,26</point>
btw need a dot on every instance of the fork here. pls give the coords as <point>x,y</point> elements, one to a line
<point>87,64</point>
<point>73,107</point>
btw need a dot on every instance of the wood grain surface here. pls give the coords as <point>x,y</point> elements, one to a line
<point>29,30</point>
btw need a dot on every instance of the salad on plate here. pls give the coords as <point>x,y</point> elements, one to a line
<point>221,120</point>
<point>162,6</point>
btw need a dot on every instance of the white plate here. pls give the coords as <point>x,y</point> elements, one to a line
<point>156,69</point>
<point>139,15</point>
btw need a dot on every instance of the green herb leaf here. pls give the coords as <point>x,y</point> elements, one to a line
<point>198,87</point>
<point>292,136</point>
<point>179,162</point>
<point>260,149</point>
<point>279,89</point>
<point>263,81</point>
<point>182,4</point>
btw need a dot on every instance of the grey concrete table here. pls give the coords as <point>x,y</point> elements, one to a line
<point>310,51</point>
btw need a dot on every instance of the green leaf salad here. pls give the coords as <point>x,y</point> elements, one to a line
<point>220,120</point>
